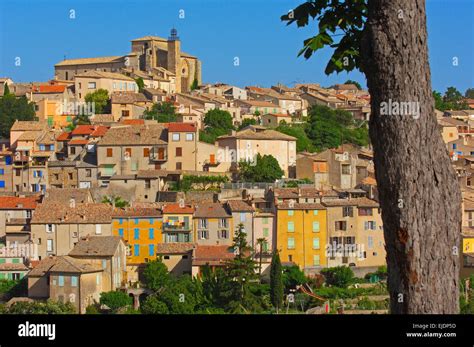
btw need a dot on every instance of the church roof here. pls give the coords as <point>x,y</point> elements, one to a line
<point>81,61</point>
<point>150,37</point>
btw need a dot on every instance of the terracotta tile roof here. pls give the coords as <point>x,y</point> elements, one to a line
<point>150,134</point>
<point>78,142</point>
<point>137,212</point>
<point>64,195</point>
<point>176,209</point>
<point>258,103</point>
<point>13,267</point>
<point>150,38</point>
<point>103,74</point>
<point>83,130</point>
<point>359,202</point>
<point>369,180</point>
<point>83,213</point>
<point>64,137</point>
<point>278,115</point>
<point>212,255</point>
<point>49,89</point>
<point>97,60</point>
<point>181,127</point>
<point>239,206</point>
<point>286,193</point>
<point>30,135</point>
<point>99,131</point>
<point>127,98</point>
<point>133,122</point>
<point>101,246</point>
<point>174,248</point>
<point>300,206</point>
<point>19,203</point>
<point>254,133</point>
<point>211,210</point>
<point>28,125</point>
<point>73,265</point>
<point>42,267</point>
<point>102,118</point>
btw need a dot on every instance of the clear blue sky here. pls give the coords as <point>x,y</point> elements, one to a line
<point>40,33</point>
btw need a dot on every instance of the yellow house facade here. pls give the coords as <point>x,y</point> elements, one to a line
<point>140,228</point>
<point>302,234</point>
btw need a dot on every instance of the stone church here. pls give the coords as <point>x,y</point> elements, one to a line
<point>152,56</point>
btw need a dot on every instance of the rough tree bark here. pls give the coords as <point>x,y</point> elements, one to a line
<point>419,192</point>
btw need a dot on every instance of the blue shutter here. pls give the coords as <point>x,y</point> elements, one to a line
<point>136,233</point>
<point>2,172</point>
<point>2,184</point>
<point>151,233</point>
<point>120,232</point>
<point>136,250</point>
<point>151,250</point>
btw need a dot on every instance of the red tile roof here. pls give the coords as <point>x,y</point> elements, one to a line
<point>133,121</point>
<point>212,255</point>
<point>176,209</point>
<point>49,89</point>
<point>14,202</point>
<point>83,130</point>
<point>99,131</point>
<point>181,127</point>
<point>64,136</point>
<point>78,142</point>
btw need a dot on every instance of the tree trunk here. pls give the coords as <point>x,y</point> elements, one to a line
<point>418,189</point>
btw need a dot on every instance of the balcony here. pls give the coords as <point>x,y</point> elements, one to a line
<point>176,226</point>
<point>158,154</point>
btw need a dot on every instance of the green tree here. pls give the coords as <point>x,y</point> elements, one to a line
<point>218,119</point>
<point>12,109</point>
<point>100,99</point>
<point>357,84</point>
<point>261,169</point>
<point>303,143</point>
<point>140,83</point>
<point>293,277</point>
<point>246,122</point>
<point>340,276</point>
<point>153,305</point>
<point>162,112</point>
<point>240,273</point>
<point>276,281</point>
<point>156,275</point>
<point>116,201</point>
<point>6,89</point>
<point>48,307</point>
<point>195,84</point>
<point>115,300</point>
<point>469,93</point>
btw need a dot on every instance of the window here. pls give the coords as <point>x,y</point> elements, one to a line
<point>136,250</point>
<point>315,227</point>
<point>341,225</point>
<point>370,242</point>
<point>73,151</point>
<point>315,212</point>
<point>91,85</point>
<point>136,234</point>
<point>202,224</point>
<point>49,228</point>
<point>179,166</point>
<point>189,137</point>
<point>136,221</point>
<point>98,229</point>
<point>175,136</point>
<point>179,151</point>
<point>146,152</point>
<point>104,263</point>
<point>243,217</point>
<point>109,152</point>
<point>97,279</point>
<point>316,243</point>
<point>346,169</point>
<point>2,184</point>
<point>88,173</point>
<point>203,234</point>
<point>151,233</point>
<point>73,281</point>
<point>291,243</point>
<point>291,226</point>
<point>151,250</point>
<point>61,281</point>
<point>128,153</point>
<point>347,211</point>
<point>265,220</point>
<point>365,211</point>
<point>316,260</point>
<point>223,234</point>
<point>151,221</point>
<point>291,212</point>
<point>265,232</point>
<point>370,225</point>
<point>223,223</point>
<point>147,184</point>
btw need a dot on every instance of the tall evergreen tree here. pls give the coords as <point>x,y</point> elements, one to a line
<point>6,90</point>
<point>276,281</point>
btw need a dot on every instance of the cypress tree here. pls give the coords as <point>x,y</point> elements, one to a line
<point>276,281</point>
